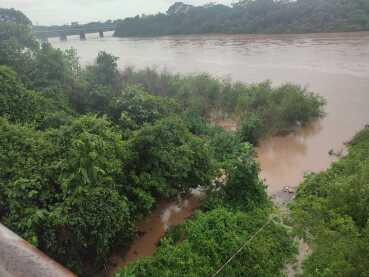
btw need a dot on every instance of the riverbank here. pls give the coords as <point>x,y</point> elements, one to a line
<point>281,198</point>
<point>330,212</point>
<point>166,215</point>
<point>229,216</point>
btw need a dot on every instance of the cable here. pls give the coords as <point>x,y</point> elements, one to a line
<point>242,247</point>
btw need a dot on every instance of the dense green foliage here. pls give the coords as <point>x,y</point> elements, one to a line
<point>232,213</point>
<point>133,107</point>
<point>51,181</point>
<point>19,104</point>
<point>252,16</point>
<point>15,39</point>
<point>205,242</point>
<point>45,173</point>
<point>331,211</point>
<point>83,157</point>
<point>85,153</point>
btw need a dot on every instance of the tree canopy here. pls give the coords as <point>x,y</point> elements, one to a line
<point>252,16</point>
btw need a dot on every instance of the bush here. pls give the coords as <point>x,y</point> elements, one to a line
<point>202,244</point>
<point>18,104</point>
<point>60,190</point>
<point>251,129</point>
<point>241,189</point>
<point>231,214</point>
<point>90,152</point>
<point>167,159</point>
<point>331,212</point>
<point>83,231</point>
<point>263,110</point>
<point>134,107</point>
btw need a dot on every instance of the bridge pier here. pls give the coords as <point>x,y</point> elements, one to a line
<point>82,35</point>
<point>101,34</point>
<point>63,37</point>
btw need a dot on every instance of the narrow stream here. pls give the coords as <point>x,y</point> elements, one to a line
<point>277,157</point>
<point>151,230</point>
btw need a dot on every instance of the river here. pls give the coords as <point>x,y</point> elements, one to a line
<point>334,65</point>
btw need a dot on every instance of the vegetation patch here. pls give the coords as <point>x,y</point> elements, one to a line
<point>232,215</point>
<point>331,213</point>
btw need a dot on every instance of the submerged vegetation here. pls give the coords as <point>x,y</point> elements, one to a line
<point>252,16</point>
<point>331,212</point>
<point>85,153</point>
<point>259,109</point>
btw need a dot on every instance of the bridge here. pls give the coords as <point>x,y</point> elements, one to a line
<point>50,32</point>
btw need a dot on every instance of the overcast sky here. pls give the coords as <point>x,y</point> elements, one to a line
<point>46,12</point>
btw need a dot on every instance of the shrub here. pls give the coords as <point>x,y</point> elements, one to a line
<point>331,212</point>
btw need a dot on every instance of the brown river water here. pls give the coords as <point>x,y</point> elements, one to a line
<point>334,65</point>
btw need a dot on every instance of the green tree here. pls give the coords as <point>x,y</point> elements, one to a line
<point>167,159</point>
<point>86,228</point>
<point>52,68</point>
<point>91,153</point>
<point>202,244</point>
<point>105,70</point>
<point>134,107</point>
<point>251,129</point>
<point>98,84</point>
<point>19,104</point>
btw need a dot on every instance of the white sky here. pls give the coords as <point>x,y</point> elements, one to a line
<point>47,12</point>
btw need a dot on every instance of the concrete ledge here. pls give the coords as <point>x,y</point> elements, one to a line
<point>18,258</point>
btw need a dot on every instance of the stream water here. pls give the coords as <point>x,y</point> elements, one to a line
<point>152,229</point>
<point>334,65</point>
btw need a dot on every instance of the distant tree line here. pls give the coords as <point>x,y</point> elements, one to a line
<point>252,16</point>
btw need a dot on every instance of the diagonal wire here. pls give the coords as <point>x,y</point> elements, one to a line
<point>242,247</point>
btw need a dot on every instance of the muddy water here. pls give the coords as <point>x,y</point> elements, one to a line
<point>151,230</point>
<point>335,66</point>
